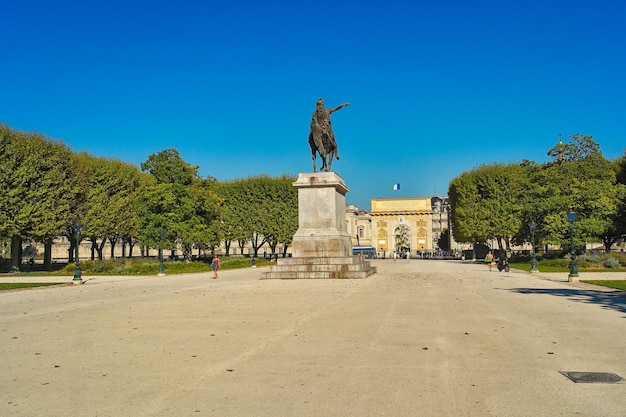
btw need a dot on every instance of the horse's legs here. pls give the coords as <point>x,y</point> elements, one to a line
<point>314,162</point>
<point>330,160</point>
<point>327,162</point>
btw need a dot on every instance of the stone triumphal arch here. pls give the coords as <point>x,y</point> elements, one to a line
<point>402,224</point>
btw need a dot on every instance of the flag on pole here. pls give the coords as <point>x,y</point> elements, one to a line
<point>396,186</point>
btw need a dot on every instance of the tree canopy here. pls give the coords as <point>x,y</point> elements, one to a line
<point>37,188</point>
<point>503,199</point>
<point>167,167</point>
<point>260,210</point>
<point>46,189</point>
<point>179,209</point>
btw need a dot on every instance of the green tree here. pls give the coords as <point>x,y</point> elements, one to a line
<point>488,201</point>
<point>279,211</point>
<point>444,240</point>
<point>502,199</point>
<point>37,190</point>
<point>274,209</point>
<point>235,221</point>
<point>585,182</point>
<point>169,168</point>
<point>181,206</point>
<point>616,231</point>
<point>110,211</point>
<point>468,223</point>
<point>260,210</point>
<point>186,215</point>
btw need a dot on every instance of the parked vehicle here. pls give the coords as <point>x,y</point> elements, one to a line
<point>368,252</point>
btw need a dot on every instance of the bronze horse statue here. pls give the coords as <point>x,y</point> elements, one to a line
<point>321,136</point>
<point>322,144</point>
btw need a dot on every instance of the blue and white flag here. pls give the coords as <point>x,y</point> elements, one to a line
<point>396,186</point>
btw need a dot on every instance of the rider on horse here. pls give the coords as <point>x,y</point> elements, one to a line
<point>321,136</point>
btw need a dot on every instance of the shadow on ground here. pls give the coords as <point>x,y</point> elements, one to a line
<point>614,300</point>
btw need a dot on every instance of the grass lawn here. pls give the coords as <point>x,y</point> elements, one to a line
<point>129,267</point>
<point>5,286</point>
<point>145,267</point>
<point>619,285</point>
<point>542,268</point>
<point>549,268</point>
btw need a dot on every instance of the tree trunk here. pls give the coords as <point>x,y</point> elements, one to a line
<point>16,253</point>
<point>113,241</point>
<point>100,249</point>
<point>187,253</point>
<point>47,255</point>
<point>508,247</point>
<point>608,241</point>
<point>71,251</point>
<point>255,245</point>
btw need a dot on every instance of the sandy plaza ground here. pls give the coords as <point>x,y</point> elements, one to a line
<point>419,338</point>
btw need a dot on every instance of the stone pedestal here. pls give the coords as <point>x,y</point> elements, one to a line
<point>322,247</point>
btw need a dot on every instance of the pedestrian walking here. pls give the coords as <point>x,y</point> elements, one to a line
<point>489,260</point>
<point>215,264</point>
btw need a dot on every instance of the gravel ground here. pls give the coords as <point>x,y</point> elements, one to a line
<point>420,338</point>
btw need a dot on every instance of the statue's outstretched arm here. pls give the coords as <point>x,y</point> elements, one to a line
<point>342,105</point>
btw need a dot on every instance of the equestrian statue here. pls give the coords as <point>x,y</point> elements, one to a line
<point>321,136</point>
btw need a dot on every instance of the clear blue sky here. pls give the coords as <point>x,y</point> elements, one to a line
<point>437,87</point>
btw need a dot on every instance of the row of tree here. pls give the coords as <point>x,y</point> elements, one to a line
<point>48,191</point>
<point>501,201</point>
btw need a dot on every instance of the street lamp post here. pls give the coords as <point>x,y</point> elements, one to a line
<point>161,266</point>
<point>533,260</point>
<point>78,279</point>
<point>573,265</point>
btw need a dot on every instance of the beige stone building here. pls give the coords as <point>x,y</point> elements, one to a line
<point>359,226</point>
<point>409,224</point>
<point>402,225</point>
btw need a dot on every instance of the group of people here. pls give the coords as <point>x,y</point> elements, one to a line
<point>398,255</point>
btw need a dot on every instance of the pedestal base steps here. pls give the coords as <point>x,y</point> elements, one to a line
<point>322,247</point>
<point>350,267</point>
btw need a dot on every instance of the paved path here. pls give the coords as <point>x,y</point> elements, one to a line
<point>420,338</point>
